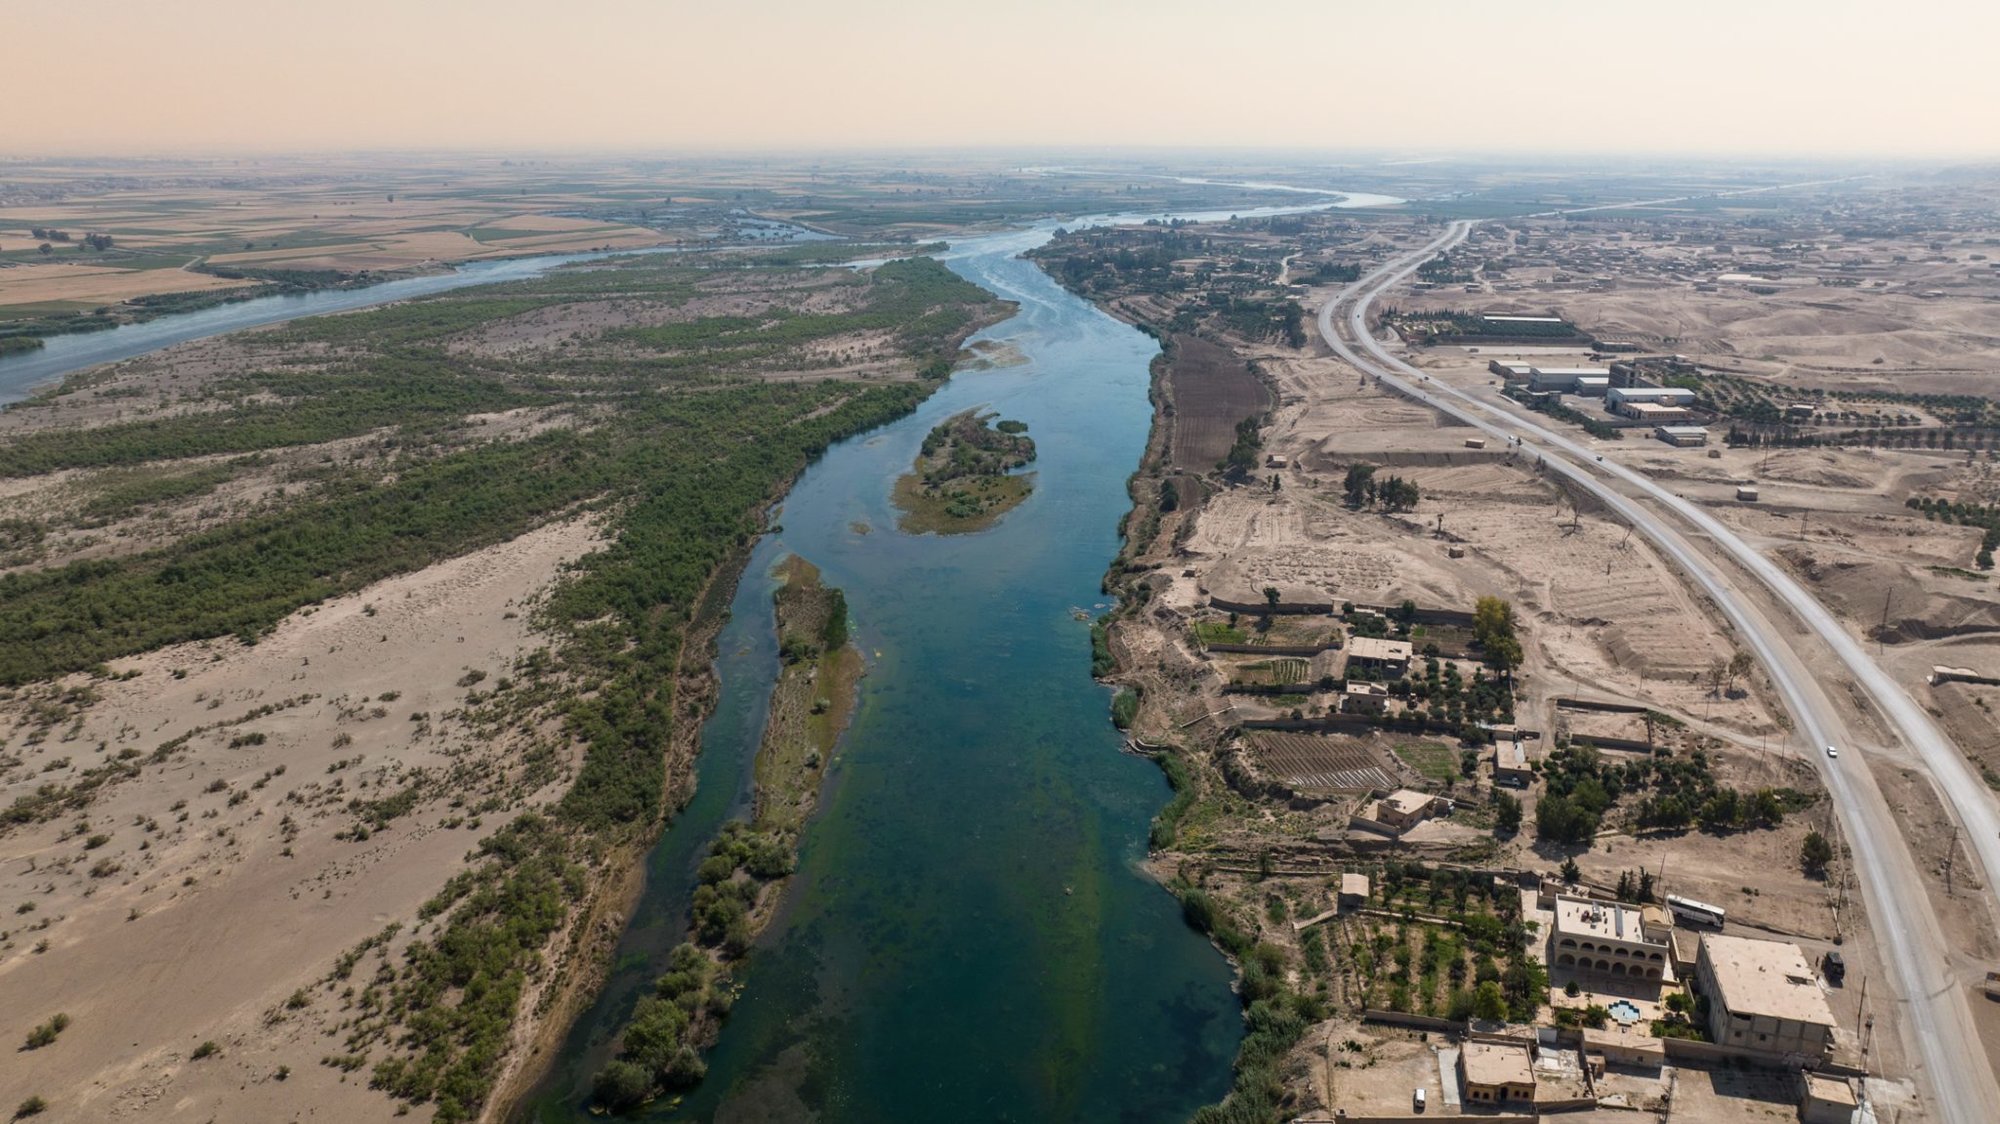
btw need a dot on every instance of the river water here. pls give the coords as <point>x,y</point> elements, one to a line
<point>969,936</point>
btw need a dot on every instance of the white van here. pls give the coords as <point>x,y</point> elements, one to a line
<point>1417,1100</point>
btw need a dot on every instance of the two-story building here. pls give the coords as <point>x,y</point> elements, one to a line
<point>1762,995</point>
<point>1609,940</point>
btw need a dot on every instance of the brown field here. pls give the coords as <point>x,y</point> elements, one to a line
<point>1311,761</point>
<point>1212,390</point>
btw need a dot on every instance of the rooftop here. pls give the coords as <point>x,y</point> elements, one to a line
<point>1371,690</point>
<point>1408,801</point>
<point>1490,1063</point>
<point>1369,648</point>
<point>1769,978</point>
<point>1684,430</point>
<point>1831,1090</point>
<point>1354,885</point>
<point>1582,372</point>
<point>1582,917</point>
<point>1644,410</point>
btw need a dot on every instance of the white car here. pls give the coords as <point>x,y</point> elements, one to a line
<point>1832,752</point>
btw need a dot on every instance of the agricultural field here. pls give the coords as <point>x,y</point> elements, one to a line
<point>1308,761</point>
<point>1212,392</point>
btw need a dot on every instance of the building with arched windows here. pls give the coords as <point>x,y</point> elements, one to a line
<point>1609,940</point>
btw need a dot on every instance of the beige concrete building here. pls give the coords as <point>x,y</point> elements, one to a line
<point>1404,808</point>
<point>1493,1073</point>
<point>1762,995</point>
<point>1510,765</point>
<point>1827,1100</point>
<point>1353,891</point>
<point>1364,698</point>
<point>1391,656</point>
<point>1607,939</point>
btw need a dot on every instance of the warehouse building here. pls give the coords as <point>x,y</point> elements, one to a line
<point>1682,436</point>
<point>1618,396</point>
<point>1570,380</point>
<point>1655,413</point>
<point>1762,995</point>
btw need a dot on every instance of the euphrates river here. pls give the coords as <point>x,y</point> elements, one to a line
<point>969,936</point>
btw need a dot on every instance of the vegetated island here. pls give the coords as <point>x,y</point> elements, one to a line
<point>964,479</point>
<point>742,879</point>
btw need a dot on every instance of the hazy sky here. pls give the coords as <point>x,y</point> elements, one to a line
<point>1914,77</point>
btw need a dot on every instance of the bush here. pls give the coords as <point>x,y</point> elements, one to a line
<point>207,1049</point>
<point>621,1086</point>
<point>1124,708</point>
<point>46,1033</point>
<point>33,1106</point>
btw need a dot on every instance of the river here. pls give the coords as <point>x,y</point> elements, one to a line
<point>970,935</point>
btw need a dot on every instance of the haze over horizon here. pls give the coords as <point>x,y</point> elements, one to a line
<point>1778,79</point>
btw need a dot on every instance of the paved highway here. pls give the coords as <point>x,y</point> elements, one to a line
<point>1950,1061</point>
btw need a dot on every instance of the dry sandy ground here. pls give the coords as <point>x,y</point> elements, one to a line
<point>1604,614</point>
<point>222,889</point>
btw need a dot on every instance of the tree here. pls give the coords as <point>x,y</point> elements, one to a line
<point>1815,854</point>
<point>1489,1003</point>
<point>45,248</point>
<point>1359,484</point>
<point>1739,667</point>
<point>1570,873</point>
<point>621,1086</point>
<point>1506,813</point>
<point>1645,885</point>
<point>1271,596</point>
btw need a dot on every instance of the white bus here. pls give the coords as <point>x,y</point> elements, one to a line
<point>1694,912</point>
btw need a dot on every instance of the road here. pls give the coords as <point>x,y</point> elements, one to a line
<point>1942,1038</point>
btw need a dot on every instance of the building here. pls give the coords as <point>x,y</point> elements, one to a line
<point>1662,395</point>
<point>1568,379</point>
<point>1277,460</point>
<point>1391,656</point>
<point>1353,892</point>
<point>1682,436</point>
<point>1404,808</point>
<point>1496,1073</point>
<point>1747,493</point>
<point>1826,1100</point>
<point>1606,939</point>
<point>1364,698</point>
<point>1510,765</point>
<point>1512,372</point>
<point>1762,995</point>
<point>1655,413</point>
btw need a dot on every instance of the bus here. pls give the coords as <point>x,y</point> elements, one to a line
<point>1694,912</point>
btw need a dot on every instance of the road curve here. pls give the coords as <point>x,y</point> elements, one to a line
<point>1950,1061</point>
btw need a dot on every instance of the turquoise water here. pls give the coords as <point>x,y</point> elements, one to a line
<point>969,936</point>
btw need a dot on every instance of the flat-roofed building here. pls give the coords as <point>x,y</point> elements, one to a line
<point>1762,995</point>
<point>1495,1073</point>
<point>1405,808</point>
<point>1512,372</point>
<point>1566,378</point>
<point>1510,764</point>
<point>1353,891</point>
<point>1655,413</point>
<point>1364,698</point>
<point>1664,395</point>
<point>1682,436</point>
<point>1827,1100</point>
<point>1607,939</point>
<point>1383,655</point>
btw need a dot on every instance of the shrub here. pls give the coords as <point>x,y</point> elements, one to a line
<point>207,1049</point>
<point>46,1033</point>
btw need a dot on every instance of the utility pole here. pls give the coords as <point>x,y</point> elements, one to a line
<point>1880,632</point>
<point>1951,853</point>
